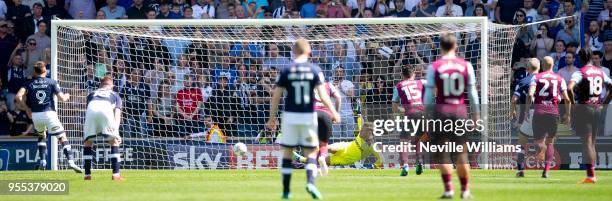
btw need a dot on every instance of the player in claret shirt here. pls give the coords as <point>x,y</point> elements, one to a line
<point>409,92</point>
<point>453,80</point>
<point>546,91</point>
<point>589,82</point>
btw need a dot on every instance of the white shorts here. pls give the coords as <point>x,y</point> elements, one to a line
<point>302,133</point>
<point>47,121</point>
<point>100,122</point>
<point>526,125</point>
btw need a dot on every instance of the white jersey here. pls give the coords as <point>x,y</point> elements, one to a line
<point>100,116</point>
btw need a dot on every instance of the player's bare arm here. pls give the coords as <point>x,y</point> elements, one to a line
<point>19,96</point>
<point>568,106</point>
<point>324,99</point>
<point>529,101</point>
<point>278,92</point>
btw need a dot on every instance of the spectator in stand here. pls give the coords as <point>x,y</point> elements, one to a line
<point>189,100</point>
<point>136,96</point>
<point>22,123</point>
<point>52,10</point>
<point>163,112</point>
<point>358,7</point>
<point>155,76</point>
<point>558,54</point>
<point>339,58</point>
<point>205,86</point>
<point>16,78</point>
<point>525,33</point>
<point>570,33</point>
<point>246,94</point>
<point>204,9</point>
<point>400,10</point>
<point>225,10</point>
<point>573,48</point>
<point>6,119</point>
<point>43,41</point>
<point>449,9</point>
<point>222,106</point>
<point>181,71</point>
<point>543,44</point>
<point>505,10</point>
<point>240,12</point>
<point>100,15</point>
<point>225,69</point>
<point>532,13</point>
<point>309,10</point>
<point>188,13</point>
<point>3,10</point>
<point>120,77</point>
<point>31,55</point>
<point>30,25</point>
<point>593,9</point>
<point>164,12</point>
<point>81,9</point>
<point>112,10</point>
<point>90,81</point>
<point>346,89</point>
<point>274,59</point>
<point>597,59</point>
<point>607,59</point>
<point>137,11</point>
<point>8,43</point>
<point>552,6</point>
<point>568,70</point>
<point>604,15</point>
<point>335,9</point>
<point>18,14</point>
<point>592,37</point>
<point>425,9</point>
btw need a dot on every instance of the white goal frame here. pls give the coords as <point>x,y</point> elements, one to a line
<point>482,21</point>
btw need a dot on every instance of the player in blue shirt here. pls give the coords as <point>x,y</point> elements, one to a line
<point>102,119</point>
<point>521,92</point>
<point>37,94</point>
<point>299,125</point>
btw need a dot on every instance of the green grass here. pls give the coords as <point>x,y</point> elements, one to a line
<point>357,185</point>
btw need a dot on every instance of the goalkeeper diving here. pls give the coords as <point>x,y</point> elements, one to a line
<point>347,153</point>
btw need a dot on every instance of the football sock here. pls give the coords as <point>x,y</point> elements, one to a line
<point>590,169</point>
<point>520,161</point>
<point>311,170</point>
<point>42,151</point>
<point>464,183</point>
<point>550,150</point>
<point>322,149</point>
<point>447,180</point>
<point>67,151</point>
<point>286,168</point>
<point>115,159</point>
<point>87,157</point>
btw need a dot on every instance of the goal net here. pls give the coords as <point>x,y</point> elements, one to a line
<point>192,89</point>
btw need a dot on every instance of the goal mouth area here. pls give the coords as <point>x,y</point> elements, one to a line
<point>380,42</point>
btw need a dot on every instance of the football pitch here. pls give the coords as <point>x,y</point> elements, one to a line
<point>341,184</point>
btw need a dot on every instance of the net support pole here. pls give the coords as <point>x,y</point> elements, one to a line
<point>484,85</point>
<point>54,147</point>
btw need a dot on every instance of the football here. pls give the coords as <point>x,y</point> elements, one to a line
<point>240,149</point>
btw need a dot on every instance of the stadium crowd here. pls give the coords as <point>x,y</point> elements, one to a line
<point>177,87</point>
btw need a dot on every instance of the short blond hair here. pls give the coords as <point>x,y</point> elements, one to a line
<point>301,46</point>
<point>547,63</point>
<point>533,64</point>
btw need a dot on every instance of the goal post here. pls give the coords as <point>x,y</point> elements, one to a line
<point>374,44</point>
